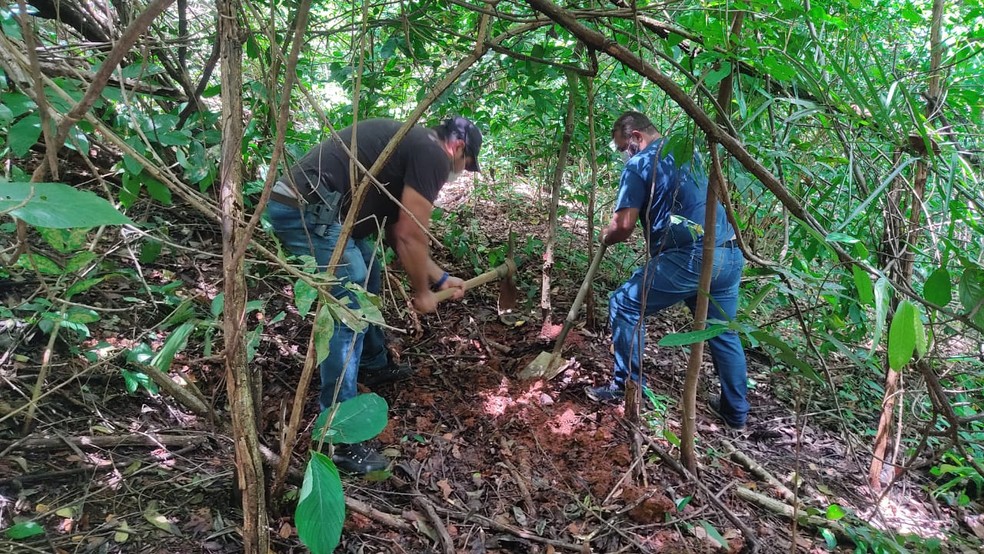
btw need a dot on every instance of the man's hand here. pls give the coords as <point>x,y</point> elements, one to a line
<point>455,283</point>
<point>425,301</point>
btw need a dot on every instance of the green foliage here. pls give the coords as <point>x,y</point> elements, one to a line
<point>58,206</point>
<point>827,108</point>
<point>955,475</point>
<point>355,420</point>
<point>971,292</point>
<point>324,328</point>
<point>906,336</point>
<point>691,337</point>
<point>320,509</point>
<point>938,289</point>
<point>24,530</point>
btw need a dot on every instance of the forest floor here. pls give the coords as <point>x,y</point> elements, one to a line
<point>483,462</point>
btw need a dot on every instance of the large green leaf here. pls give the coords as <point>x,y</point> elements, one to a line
<point>355,420</point>
<point>24,134</point>
<point>324,328</point>
<point>304,297</point>
<point>882,293</point>
<point>713,533</point>
<point>778,69</point>
<point>24,530</point>
<point>691,337</point>
<point>971,292</point>
<point>57,205</point>
<point>18,104</point>
<point>6,116</point>
<point>175,342</point>
<point>906,335</point>
<point>714,76</point>
<point>866,292</point>
<point>938,288</point>
<point>320,509</point>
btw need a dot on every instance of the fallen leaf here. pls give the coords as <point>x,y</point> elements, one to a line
<point>122,532</point>
<point>445,487</point>
<point>158,520</point>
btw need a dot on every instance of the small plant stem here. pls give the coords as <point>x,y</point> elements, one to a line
<point>45,364</point>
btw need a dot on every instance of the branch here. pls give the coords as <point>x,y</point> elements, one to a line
<point>122,47</point>
<point>713,498</point>
<point>599,42</point>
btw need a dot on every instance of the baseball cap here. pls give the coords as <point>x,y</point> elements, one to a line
<point>473,139</point>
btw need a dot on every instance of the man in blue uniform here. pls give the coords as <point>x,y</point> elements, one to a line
<point>307,206</point>
<point>669,201</point>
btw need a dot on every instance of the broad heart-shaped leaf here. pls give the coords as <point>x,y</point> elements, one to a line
<point>24,530</point>
<point>881,312</point>
<point>320,509</point>
<point>938,288</point>
<point>902,335</point>
<point>58,206</point>
<point>971,292</point>
<point>691,337</point>
<point>324,328</point>
<point>355,420</point>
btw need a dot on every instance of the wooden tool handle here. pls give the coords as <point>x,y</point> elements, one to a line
<point>582,293</point>
<point>494,274</point>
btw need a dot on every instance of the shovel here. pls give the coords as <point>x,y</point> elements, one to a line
<point>505,274</point>
<point>547,364</point>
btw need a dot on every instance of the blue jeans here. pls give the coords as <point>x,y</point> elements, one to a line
<point>348,350</point>
<point>673,276</point>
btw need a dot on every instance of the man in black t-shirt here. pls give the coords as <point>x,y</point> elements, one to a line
<point>307,206</point>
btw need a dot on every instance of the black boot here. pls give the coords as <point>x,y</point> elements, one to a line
<point>389,373</point>
<point>358,458</point>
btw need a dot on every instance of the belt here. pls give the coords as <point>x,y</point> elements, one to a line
<point>733,243</point>
<point>285,200</point>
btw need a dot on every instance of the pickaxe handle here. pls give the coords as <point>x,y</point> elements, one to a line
<point>500,272</point>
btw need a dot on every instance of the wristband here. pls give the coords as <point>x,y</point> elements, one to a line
<point>441,281</point>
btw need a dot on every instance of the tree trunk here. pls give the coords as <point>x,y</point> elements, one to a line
<point>555,186</point>
<point>689,429</point>
<point>688,456</point>
<point>239,380</point>
<point>589,304</point>
<point>899,242</point>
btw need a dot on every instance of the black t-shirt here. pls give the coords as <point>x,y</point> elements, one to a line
<point>419,161</point>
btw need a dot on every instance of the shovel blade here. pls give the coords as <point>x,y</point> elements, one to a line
<point>541,366</point>
<point>507,294</point>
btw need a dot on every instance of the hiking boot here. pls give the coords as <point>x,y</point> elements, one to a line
<point>715,405</point>
<point>358,458</point>
<point>389,373</point>
<point>606,394</point>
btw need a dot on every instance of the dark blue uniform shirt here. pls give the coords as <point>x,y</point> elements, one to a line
<point>676,199</point>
